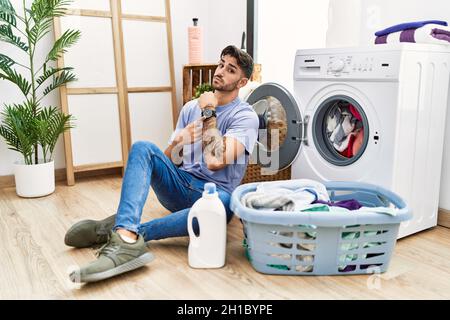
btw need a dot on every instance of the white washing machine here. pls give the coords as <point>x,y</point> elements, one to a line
<point>393,101</point>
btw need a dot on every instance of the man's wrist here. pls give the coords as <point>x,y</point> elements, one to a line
<point>208,113</point>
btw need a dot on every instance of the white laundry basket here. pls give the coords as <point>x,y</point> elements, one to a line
<point>323,242</point>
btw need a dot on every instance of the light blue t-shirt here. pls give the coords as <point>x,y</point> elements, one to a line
<point>236,119</point>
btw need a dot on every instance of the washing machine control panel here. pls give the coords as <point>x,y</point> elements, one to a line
<point>381,65</point>
<point>349,64</point>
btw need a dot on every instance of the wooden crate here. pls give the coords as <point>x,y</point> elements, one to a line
<point>253,174</point>
<point>195,74</point>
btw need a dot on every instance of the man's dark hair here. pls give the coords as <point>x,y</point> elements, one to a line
<point>244,60</point>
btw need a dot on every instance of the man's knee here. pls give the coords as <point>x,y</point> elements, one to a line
<point>143,148</point>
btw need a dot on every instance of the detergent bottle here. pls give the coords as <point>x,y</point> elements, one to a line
<point>207,249</point>
<point>195,42</point>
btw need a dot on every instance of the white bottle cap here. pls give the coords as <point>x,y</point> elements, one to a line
<point>210,187</point>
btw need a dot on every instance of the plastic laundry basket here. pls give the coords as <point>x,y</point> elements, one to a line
<point>322,242</point>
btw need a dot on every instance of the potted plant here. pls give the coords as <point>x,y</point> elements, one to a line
<point>28,127</point>
<point>201,88</point>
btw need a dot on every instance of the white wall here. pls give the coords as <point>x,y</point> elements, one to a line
<point>344,23</point>
<point>223,23</point>
<point>227,21</point>
<point>282,29</point>
<point>373,15</point>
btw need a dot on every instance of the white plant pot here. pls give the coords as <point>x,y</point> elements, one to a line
<point>34,180</point>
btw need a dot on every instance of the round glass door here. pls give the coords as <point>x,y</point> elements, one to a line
<point>340,130</point>
<point>272,118</point>
<point>280,131</point>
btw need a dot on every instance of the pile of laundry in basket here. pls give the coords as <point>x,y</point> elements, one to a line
<point>304,195</point>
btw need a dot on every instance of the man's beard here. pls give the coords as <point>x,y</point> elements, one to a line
<point>225,88</point>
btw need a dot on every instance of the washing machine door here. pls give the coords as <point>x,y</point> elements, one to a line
<point>280,126</point>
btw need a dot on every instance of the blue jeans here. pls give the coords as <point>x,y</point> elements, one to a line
<point>176,190</point>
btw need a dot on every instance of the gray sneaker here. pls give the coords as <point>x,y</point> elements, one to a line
<point>88,233</point>
<point>114,258</point>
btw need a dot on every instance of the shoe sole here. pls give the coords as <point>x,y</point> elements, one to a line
<point>140,261</point>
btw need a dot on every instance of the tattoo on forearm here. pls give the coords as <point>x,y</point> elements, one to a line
<point>177,154</point>
<point>212,141</point>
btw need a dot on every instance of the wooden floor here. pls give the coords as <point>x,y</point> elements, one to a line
<point>35,262</point>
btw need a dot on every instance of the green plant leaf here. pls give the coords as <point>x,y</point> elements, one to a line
<point>16,78</point>
<point>17,129</point>
<point>69,38</point>
<point>6,62</point>
<point>42,12</point>
<point>39,30</point>
<point>49,72</point>
<point>11,139</point>
<point>7,12</point>
<point>50,124</point>
<point>42,9</point>
<point>8,36</point>
<point>201,88</point>
<point>63,78</point>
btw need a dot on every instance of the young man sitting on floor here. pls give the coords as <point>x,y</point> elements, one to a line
<point>214,137</point>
